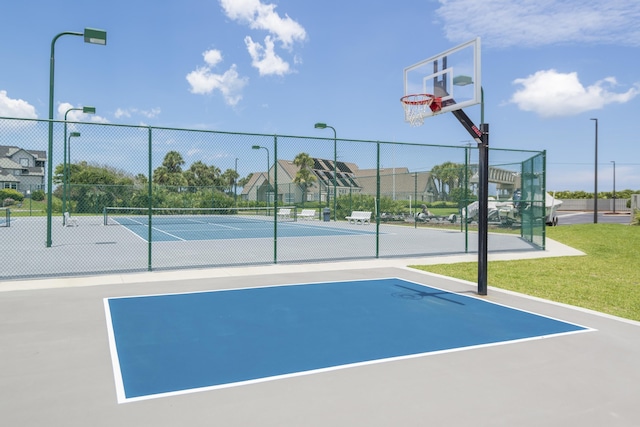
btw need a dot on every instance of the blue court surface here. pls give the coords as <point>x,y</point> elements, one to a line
<point>163,345</point>
<point>248,230</point>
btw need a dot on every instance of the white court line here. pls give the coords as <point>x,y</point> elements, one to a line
<point>153,228</point>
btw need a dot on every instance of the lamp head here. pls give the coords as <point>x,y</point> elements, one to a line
<point>89,110</point>
<point>74,134</point>
<point>93,36</point>
<point>320,126</point>
<point>255,147</point>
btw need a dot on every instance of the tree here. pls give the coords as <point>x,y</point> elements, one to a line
<point>437,178</point>
<point>304,177</point>
<point>95,186</point>
<point>173,161</point>
<point>229,178</point>
<point>244,181</point>
<point>447,176</point>
<point>200,175</point>
<point>170,173</point>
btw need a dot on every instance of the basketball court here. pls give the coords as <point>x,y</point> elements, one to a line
<point>170,344</point>
<point>355,343</point>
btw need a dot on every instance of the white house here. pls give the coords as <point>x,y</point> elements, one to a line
<point>22,169</point>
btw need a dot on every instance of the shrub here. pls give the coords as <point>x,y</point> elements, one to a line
<point>37,195</point>
<point>10,193</point>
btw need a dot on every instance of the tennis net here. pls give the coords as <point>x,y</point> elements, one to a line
<point>140,216</point>
<point>5,217</point>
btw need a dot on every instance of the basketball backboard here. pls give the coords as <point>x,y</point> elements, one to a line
<point>453,75</point>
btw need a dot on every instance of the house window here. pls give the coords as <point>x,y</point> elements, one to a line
<point>24,161</point>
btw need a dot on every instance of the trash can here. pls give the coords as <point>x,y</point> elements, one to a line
<point>326,214</point>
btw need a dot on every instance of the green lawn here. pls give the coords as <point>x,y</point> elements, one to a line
<point>35,208</point>
<point>607,279</point>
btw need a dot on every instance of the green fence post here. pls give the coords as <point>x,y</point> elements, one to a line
<point>377,202</point>
<point>150,210</point>
<point>544,198</point>
<point>275,198</point>
<point>466,201</point>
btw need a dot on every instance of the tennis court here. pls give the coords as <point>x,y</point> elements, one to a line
<point>168,225</point>
<point>90,247</point>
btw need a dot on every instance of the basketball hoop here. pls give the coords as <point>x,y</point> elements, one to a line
<point>416,106</point>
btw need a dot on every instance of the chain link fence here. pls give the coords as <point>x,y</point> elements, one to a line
<point>137,198</point>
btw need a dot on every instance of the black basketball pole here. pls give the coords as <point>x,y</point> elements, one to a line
<point>483,208</point>
<point>481,136</point>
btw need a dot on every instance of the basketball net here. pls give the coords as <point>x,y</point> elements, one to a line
<point>418,105</point>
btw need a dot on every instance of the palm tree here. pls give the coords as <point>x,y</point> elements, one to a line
<point>170,173</point>
<point>304,177</point>
<point>244,181</point>
<point>173,161</point>
<point>199,175</point>
<point>450,175</point>
<point>436,174</point>
<point>229,178</point>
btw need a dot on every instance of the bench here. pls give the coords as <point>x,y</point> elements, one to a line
<point>68,221</point>
<point>359,217</point>
<point>307,214</point>
<point>284,213</point>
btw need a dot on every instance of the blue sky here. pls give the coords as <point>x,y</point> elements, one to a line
<point>279,66</point>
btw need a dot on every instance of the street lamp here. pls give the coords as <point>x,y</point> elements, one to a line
<point>92,36</point>
<point>71,135</point>
<point>595,180</point>
<point>65,172</point>
<point>614,185</point>
<point>335,166</point>
<point>257,147</point>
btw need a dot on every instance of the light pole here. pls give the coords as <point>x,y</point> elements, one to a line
<point>335,166</point>
<point>71,135</point>
<point>92,36</point>
<point>614,185</point>
<point>65,172</point>
<point>595,179</point>
<point>257,147</point>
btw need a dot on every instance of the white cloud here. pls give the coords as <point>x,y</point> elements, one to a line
<point>204,81</point>
<point>122,113</point>
<point>504,23</point>
<point>259,16</point>
<point>17,108</point>
<point>264,58</point>
<point>549,93</point>
<point>264,17</point>
<point>128,112</point>
<point>150,114</point>
<point>212,57</point>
